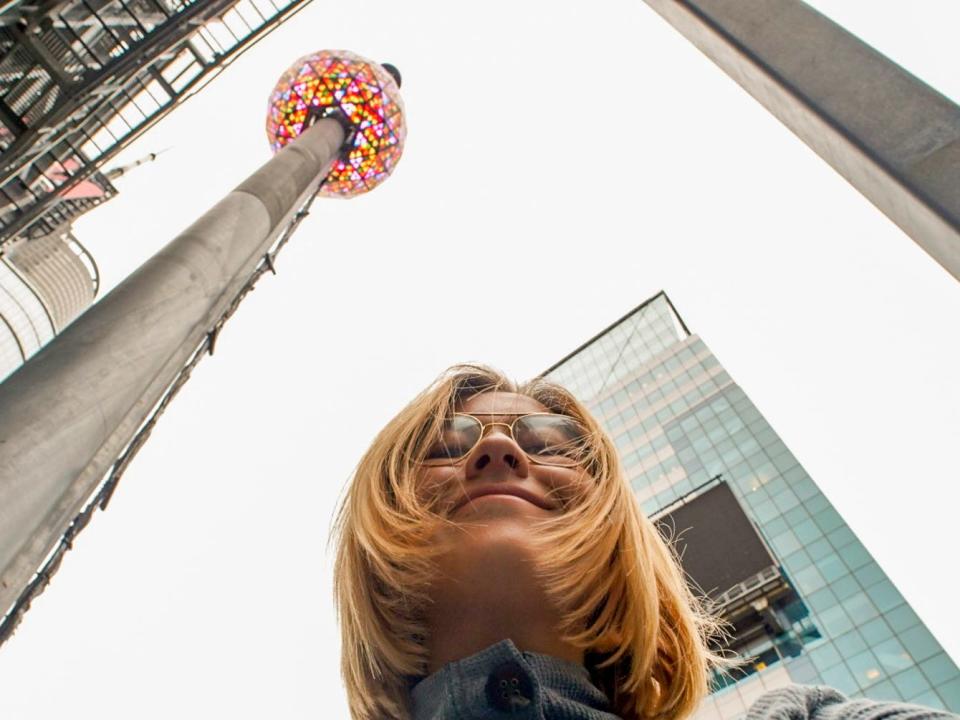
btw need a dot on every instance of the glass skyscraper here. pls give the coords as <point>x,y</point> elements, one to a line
<point>804,599</point>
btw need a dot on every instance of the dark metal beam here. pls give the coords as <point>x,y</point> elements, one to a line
<point>117,71</point>
<point>894,138</point>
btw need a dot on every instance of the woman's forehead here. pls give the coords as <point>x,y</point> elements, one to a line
<point>501,403</point>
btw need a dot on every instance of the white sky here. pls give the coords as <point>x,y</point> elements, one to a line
<point>565,161</point>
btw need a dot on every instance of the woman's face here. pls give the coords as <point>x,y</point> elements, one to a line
<point>497,480</point>
<point>487,587</point>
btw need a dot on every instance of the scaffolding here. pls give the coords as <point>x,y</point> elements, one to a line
<point>81,79</point>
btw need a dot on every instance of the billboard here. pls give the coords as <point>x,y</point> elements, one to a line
<point>718,544</point>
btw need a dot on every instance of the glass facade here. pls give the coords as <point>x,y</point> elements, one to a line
<point>824,613</point>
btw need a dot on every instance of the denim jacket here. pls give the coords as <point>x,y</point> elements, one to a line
<point>501,682</point>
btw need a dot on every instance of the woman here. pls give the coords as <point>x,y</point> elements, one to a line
<point>492,561</point>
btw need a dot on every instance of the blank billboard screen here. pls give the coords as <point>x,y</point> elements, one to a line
<point>718,545</point>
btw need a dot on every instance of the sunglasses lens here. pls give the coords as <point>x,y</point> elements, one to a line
<point>551,439</point>
<point>458,436</point>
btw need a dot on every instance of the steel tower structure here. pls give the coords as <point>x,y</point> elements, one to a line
<point>81,79</point>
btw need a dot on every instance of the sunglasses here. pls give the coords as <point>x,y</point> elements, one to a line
<point>545,438</point>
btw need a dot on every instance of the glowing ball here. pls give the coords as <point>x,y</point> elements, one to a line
<point>368,100</point>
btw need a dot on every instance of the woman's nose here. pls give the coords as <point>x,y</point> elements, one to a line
<point>495,452</point>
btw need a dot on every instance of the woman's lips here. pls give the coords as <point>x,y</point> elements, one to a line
<point>516,492</point>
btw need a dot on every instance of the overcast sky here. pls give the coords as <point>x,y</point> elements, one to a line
<point>565,161</point>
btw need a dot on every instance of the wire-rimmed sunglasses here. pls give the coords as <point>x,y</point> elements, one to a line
<point>545,438</point>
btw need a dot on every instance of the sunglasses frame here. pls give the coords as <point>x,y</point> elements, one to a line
<point>483,431</point>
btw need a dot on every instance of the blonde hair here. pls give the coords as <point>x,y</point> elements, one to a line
<point>623,597</point>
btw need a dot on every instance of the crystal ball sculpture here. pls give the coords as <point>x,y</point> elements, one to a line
<point>369,102</point>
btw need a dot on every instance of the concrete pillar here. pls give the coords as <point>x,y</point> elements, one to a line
<point>894,138</point>
<point>67,413</point>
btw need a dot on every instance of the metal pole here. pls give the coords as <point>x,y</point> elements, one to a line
<point>894,138</point>
<point>67,413</point>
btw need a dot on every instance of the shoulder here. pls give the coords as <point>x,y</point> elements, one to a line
<point>802,702</point>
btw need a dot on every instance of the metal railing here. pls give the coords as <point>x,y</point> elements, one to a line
<point>79,86</point>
